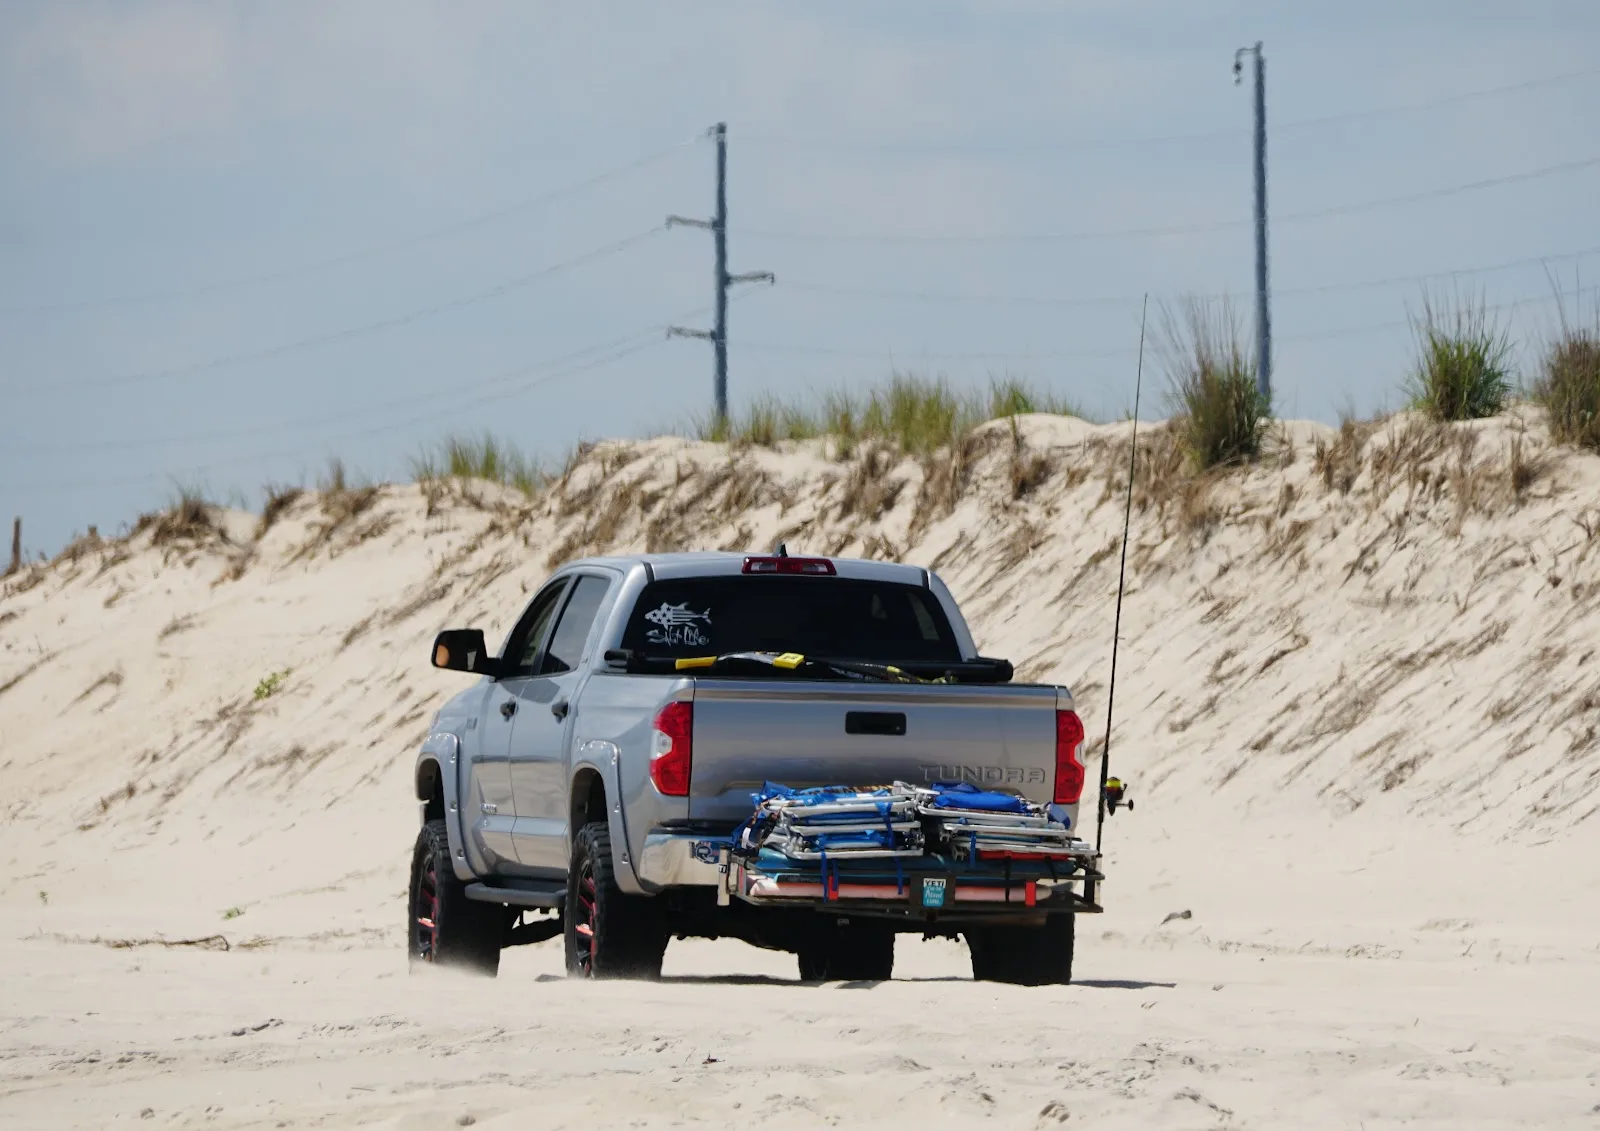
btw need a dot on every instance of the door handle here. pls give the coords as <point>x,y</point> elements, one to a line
<point>560,708</point>
<point>508,708</point>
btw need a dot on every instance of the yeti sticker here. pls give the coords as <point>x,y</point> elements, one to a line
<point>678,626</point>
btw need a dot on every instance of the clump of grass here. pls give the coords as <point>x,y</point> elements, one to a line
<point>485,457</point>
<point>913,414</point>
<point>337,480</point>
<point>342,498</point>
<point>1568,385</point>
<point>269,685</point>
<point>278,499</point>
<point>1013,397</point>
<point>1220,414</point>
<point>1462,363</point>
<point>1338,462</point>
<point>189,518</point>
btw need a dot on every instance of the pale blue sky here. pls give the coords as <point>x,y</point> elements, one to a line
<point>187,187</point>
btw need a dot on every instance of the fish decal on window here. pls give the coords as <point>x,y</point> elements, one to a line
<point>679,626</point>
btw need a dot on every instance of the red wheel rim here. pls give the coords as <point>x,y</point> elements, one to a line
<point>587,920</point>
<point>425,930</point>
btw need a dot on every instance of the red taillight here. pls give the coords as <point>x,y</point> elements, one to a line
<point>821,567</point>
<point>672,747</point>
<point>1069,769</point>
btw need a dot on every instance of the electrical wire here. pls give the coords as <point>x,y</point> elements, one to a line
<point>829,351</point>
<point>366,410</point>
<point>1062,301</point>
<point>283,348</point>
<point>616,354</point>
<point>1122,142</point>
<point>1124,351</point>
<point>506,384</point>
<point>1510,307</point>
<point>1171,229</point>
<point>370,252</point>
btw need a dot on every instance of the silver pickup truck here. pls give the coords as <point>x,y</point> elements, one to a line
<point>588,783</point>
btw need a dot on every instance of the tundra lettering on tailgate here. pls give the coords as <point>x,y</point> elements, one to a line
<point>985,775</point>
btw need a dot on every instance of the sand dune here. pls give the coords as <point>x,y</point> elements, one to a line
<point>1359,707</point>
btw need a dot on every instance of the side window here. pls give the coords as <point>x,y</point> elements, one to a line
<point>572,630</point>
<point>523,647</point>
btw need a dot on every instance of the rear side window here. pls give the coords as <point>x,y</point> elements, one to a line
<point>826,617</point>
<point>523,648</point>
<point>572,630</point>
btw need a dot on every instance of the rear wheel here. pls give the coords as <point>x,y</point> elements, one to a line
<point>445,927</point>
<point>855,952</point>
<point>1024,956</point>
<point>609,934</point>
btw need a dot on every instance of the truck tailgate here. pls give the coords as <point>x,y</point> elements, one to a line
<point>1000,736</point>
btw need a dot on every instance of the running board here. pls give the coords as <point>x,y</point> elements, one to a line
<point>553,894</point>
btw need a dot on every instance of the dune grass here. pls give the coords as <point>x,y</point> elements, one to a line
<point>1568,384</point>
<point>484,457</point>
<point>1220,415</point>
<point>1462,371</point>
<point>917,415</point>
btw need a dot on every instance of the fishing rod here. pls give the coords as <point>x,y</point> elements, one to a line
<point>1111,793</point>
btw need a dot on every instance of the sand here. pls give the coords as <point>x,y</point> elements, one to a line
<point>1358,707</point>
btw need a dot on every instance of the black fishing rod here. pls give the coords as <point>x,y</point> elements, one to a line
<point>1111,794</point>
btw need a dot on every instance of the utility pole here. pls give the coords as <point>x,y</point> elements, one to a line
<point>1263,313</point>
<point>718,226</point>
<point>16,547</point>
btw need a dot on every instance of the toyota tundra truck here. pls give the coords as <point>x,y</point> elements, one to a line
<point>587,784</point>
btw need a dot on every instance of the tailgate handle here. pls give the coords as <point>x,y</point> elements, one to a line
<point>874,722</point>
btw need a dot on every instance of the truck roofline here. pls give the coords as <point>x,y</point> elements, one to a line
<point>720,563</point>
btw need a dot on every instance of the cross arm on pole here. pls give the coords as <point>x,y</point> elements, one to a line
<point>684,332</point>
<point>689,222</point>
<point>754,277</point>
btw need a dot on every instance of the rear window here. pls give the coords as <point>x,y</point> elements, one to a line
<point>829,617</point>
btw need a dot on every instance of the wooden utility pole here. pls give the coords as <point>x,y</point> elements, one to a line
<point>16,546</point>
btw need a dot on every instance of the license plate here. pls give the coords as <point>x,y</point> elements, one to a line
<point>933,893</point>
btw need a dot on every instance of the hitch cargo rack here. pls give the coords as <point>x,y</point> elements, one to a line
<point>929,888</point>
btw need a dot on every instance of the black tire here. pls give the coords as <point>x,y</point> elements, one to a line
<point>609,934</point>
<point>856,952</point>
<point>1024,956</point>
<point>444,927</point>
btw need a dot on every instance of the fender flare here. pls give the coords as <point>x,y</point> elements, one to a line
<point>604,758</point>
<point>439,759</point>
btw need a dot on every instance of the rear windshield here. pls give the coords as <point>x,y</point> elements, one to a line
<point>832,617</point>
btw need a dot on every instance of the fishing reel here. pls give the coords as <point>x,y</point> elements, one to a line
<point>1116,795</point>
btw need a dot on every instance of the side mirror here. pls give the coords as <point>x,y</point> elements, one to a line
<point>464,650</point>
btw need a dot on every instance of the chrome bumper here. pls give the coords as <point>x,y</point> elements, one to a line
<point>671,860</point>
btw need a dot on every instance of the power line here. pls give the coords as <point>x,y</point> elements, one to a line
<point>1129,300</point>
<point>1394,280</point>
<point>1123,351</point>
<point>1406,323</point>
<point>348,332</point>
<point>503,385</point>
<point>1105,141</point>
<point>366,410</point>
<point>890,354</point>
<point>1173,229</point>
<point>616,353</point>
<point>370,252</point>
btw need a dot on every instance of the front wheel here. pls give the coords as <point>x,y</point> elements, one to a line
<point>445,927</point>
<point>609,934</point>
<point>1024,956</point>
